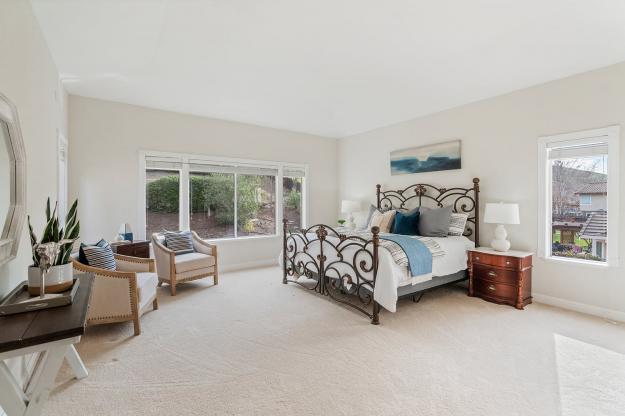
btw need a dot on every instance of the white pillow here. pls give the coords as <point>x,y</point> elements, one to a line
<point>457,223</point>
<point>382,220</point>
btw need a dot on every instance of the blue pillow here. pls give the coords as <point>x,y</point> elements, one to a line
<point>406,223</point>
<point>81,253</point>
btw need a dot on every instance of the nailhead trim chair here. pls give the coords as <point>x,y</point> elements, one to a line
<point>174,269</point>
<point>123,294</point>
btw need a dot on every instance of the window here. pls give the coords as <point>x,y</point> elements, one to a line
<point>292,194</point>
<point>579,196</point>
<point>162,200</point>
<point>256,205</point>
<point>228,198</point>
<point>585,199</point>
<point>211,204</point>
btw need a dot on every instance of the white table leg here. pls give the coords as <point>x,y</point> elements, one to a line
<point>12,398</point>
<point>42,387</point>
<point>74,361</point>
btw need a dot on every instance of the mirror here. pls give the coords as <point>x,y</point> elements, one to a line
<point>12,180</point>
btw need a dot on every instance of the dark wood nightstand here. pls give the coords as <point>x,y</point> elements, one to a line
<point>136,248</point>
<point>501,277</point>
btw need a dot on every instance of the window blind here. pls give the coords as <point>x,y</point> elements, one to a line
<point>163,162</point>
<point>293,172</point>
<point>241,169</point>
<point>575,151</point>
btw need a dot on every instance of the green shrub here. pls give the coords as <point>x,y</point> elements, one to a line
<point>293,199</point>
<point>163,193</point>
<point>214,192</point>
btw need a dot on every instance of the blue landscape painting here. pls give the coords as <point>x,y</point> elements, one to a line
<point>441,156</point>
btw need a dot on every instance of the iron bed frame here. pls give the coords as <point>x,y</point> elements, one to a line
<point>352,288</point>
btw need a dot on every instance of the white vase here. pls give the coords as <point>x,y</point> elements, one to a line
<point>58,279</point>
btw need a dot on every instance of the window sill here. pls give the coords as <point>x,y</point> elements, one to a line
<point>579,262</point>
<point>246,238</point>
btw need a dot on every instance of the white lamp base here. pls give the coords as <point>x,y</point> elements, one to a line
<point>499,243</point>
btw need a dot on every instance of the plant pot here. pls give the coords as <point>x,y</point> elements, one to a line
<point>58,279</point>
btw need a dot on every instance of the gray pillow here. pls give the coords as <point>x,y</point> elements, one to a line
<point>434,222</point>
<point>372,209</point>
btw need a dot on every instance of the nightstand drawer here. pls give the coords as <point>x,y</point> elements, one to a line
<point>495,274</point>
<point>496,260</point>
<point>498,291</point>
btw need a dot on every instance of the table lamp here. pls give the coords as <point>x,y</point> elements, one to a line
<point>501,213</point>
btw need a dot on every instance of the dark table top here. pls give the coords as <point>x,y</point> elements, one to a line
<point>38,327</point>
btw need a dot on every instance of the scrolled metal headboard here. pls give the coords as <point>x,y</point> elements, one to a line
<point>463,200</point>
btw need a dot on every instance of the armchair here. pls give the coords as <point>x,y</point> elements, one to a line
<point>121,295</point>
<point>174,269</point>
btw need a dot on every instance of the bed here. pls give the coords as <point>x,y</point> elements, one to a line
<point>365,269</point>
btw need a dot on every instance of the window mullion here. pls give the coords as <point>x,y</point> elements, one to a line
<point>184,205</point>
<point>236,191</point>
<point>279,215</point>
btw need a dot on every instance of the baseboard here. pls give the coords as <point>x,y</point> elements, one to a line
<point>248,265</point>
<point>580,307</point>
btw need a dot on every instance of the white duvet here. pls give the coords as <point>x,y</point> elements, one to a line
<point>391,275</point>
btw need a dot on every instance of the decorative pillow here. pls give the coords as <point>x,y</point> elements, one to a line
<point>100,257</point>
<point>81,253</point>
<point>434,222</point>
<point>457,223</point>
<point>382,220</point>
<point>372,210</point>
<point>406,223</point>
<point>180,242</point>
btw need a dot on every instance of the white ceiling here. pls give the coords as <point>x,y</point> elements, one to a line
<point>328,67</point>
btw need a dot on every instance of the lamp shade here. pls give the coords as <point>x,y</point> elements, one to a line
<point>501,213</point>
<point>347,206</point>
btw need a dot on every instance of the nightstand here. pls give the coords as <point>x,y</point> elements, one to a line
<point>136,248</point>
<point>501,277</point>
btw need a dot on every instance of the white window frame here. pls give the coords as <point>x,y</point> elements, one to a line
<point>609,135</point>
<point>184,219</point>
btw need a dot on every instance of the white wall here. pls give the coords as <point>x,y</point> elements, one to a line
<point>28,76</point>
<point>105,140</point>
<point>499,145</point>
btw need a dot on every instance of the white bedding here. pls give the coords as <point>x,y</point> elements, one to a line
<point>391,275</point>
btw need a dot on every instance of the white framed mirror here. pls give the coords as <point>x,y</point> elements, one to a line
<point>12,180</point>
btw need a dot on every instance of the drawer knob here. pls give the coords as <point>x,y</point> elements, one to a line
<point>493,274</point>
<point>508,263</point>
<point>477,258</point>
<point>491,287</point>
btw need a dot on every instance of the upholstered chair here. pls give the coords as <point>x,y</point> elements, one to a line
<point>174,269</point>
<point>123,294</point>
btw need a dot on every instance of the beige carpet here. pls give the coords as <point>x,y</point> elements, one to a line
<point>253,346</point>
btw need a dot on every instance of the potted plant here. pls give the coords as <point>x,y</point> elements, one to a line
<point>60,276</point>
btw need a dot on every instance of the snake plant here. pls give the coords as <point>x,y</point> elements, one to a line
<point>54,232</point>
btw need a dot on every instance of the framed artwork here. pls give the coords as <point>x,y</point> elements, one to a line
<point>429,158</point>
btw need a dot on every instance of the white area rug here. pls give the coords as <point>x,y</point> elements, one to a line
<point>253,346</point>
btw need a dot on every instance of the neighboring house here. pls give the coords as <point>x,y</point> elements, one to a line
<point>593,198</point>
<point>596,230</point>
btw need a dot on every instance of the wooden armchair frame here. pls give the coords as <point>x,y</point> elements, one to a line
<point>135,264</point>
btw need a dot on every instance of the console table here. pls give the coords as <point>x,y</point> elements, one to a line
<point>52,332</point>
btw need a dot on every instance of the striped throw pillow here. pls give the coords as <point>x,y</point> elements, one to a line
<point>179,242</point>
<point>100,257</point>
<point>457,223</point>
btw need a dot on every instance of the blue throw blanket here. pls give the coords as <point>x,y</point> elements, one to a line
<point>419,256</point>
